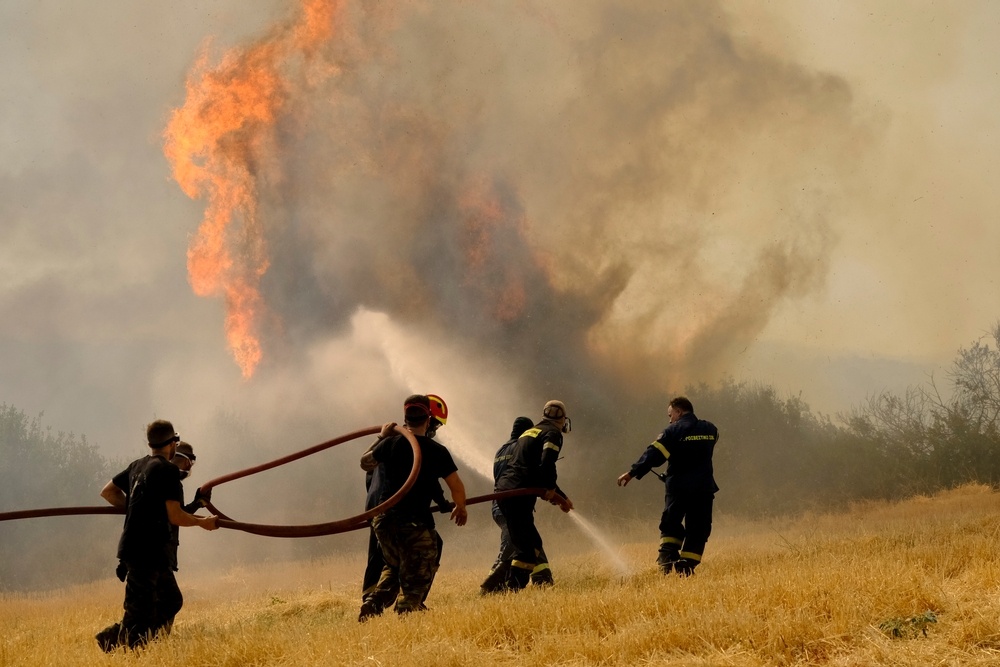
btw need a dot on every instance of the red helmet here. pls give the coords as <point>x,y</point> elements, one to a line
<point>439,409</point>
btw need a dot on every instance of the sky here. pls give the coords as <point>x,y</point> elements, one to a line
<point>292,217</point>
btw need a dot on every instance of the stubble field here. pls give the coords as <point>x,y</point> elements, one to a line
<point>912,583</point>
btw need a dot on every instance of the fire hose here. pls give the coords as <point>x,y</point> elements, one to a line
<point>268,530</point>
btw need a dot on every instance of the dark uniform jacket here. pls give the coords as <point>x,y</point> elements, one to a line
<point>521,424</point>
<point>532,462</point>
<point>686,446</point>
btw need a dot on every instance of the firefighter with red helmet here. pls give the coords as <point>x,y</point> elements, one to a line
<point>410,546</point>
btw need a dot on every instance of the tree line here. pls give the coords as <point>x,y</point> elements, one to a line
<point>777,456</point>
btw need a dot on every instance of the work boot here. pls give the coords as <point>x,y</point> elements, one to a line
<point>368,610</point>
<point>496,580</point>
<point>518,578</point>
<point>685,567</point>
<point>542,578</point>
<point>667,560</point>
<point>109,638</point>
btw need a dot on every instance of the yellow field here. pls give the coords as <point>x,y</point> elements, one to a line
<point>914,583</point>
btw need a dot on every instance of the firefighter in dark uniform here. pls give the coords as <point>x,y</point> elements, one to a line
<point>496,580</point>
<point>686,446</point>
<point>532,464</point>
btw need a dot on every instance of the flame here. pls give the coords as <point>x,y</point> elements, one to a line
<point>486,223</point>
<point>220,144</point>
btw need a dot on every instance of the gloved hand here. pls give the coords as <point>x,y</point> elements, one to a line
<point>203,498</point>
<point>444,507</point>
<point>121,571</point>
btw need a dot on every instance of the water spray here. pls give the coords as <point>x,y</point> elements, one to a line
<point>622,568</point>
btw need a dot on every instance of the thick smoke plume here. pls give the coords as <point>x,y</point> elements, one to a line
<point>619,187</point>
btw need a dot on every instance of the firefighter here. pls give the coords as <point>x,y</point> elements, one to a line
<point>410,545</point>
<point>496,580</point>
<point>150,492</point>
<point>532,464</point>
<point>686,446</point>
<point>373,490</point>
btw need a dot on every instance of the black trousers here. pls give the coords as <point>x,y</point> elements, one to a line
<point>526,543</point>
<point>152,599</point>
<point>373,570</point>
<point>686,524</point>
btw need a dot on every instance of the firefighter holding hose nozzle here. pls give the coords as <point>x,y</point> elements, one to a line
<point>497,580</point>
<point>686,445</point>
<point>532,464</point>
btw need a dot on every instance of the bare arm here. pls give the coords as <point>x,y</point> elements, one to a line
<point>114,495</point>
<point>179,517</point>
<point>459,515</point>
<point>368,462</point>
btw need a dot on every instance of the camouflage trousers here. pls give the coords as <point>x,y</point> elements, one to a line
<point>412,553</point>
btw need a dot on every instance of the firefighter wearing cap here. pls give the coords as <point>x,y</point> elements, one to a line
<point>686,445</point>
<point>149,490</point>
<point>497,580</point>
<point>532,464</point>
<point>410,545</point>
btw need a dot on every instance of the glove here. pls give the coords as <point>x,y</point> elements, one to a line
<point>445,507</point>
<point>121,571</point>
<point>202,498</point>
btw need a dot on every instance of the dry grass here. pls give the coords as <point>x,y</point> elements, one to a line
<point>817,590</point>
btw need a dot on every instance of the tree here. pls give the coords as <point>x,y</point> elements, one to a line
<point>39,468</point>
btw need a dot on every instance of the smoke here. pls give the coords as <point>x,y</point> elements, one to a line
<point>619,191</point>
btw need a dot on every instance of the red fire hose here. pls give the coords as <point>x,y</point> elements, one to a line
<point>313,530</point>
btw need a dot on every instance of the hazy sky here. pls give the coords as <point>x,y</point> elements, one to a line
<point>497,202</point>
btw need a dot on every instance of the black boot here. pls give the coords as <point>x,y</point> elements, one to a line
<point>369,610</point>
<point>496,580</point>
<point>667,560</point>
<point>685,567</point>
<point>542,577</point>
<point>109,638</point>
<point>518,578</point>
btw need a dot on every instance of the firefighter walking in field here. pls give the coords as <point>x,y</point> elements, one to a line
<point>410,545</point>
<point>532,464</point>
<point>686,445</point>
<point>150,492</point>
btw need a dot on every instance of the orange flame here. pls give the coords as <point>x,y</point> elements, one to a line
<point>220,145</point>
<point>486,220</point>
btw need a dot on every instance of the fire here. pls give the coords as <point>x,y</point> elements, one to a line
<point>220,145</point>
<point>487,223</point>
